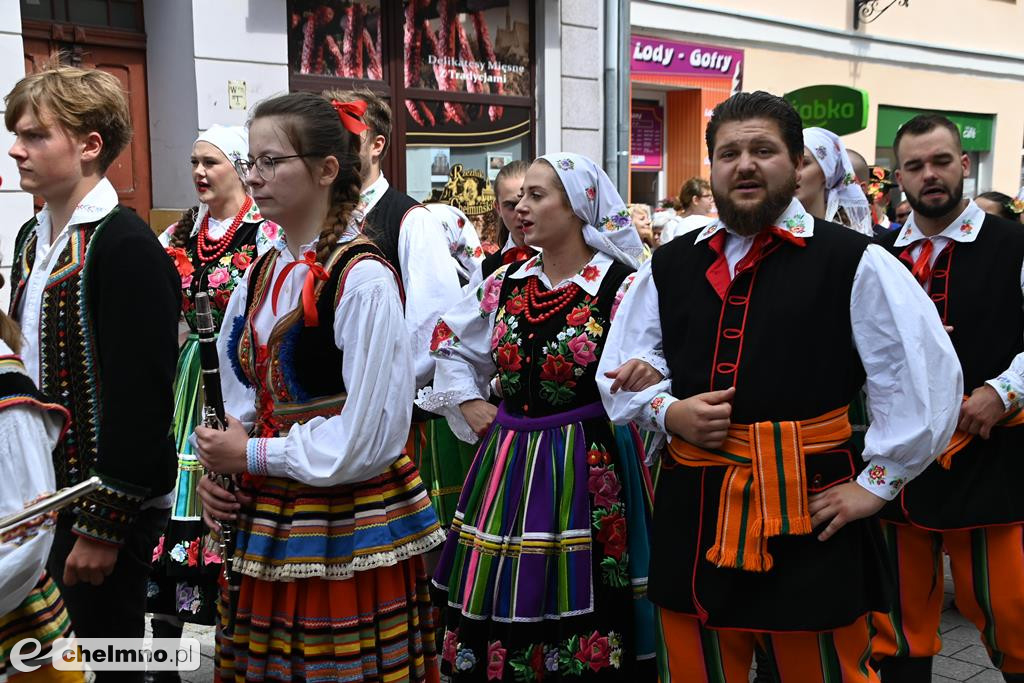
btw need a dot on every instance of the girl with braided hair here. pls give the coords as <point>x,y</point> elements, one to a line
<point>331,520</point>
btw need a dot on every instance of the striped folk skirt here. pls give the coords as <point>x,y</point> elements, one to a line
<point>544,572</point>
<point>41,615</point>
<point>443,460</point>
<point>332,586</point>
<point>375,626</point>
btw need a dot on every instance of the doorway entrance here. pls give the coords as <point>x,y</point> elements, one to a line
<point>106,35</point>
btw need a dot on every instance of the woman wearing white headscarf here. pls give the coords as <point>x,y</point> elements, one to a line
<point>827,185</point>
<point>212,245</point>
<point>545,564</point>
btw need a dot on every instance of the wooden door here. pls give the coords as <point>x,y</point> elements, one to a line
<point>129,173</point>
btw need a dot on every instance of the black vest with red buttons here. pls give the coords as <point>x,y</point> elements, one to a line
<point>782,335</point>
<point>976,287</point>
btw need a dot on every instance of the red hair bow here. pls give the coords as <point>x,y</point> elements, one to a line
<point>351,115</point>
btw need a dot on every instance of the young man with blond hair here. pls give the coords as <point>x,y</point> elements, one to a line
<point>97,299</point>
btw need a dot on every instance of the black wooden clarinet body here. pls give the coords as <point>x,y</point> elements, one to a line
<point>214,417</point>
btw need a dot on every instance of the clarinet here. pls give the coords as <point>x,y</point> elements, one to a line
<point>214,418</point>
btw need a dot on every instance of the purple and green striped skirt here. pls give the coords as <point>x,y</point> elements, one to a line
<point>545,564</point>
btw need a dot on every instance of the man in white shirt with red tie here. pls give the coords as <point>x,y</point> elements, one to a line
<point>764,532</point>
<point>968,502</point>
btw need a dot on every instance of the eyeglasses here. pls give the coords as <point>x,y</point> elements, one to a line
<point>265,165</point>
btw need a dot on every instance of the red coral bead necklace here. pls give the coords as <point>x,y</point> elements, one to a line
<point>210,249</point>
<point>542,305</point>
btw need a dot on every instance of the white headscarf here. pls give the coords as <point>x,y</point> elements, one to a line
<point>841,187</point>
<point>233,142</point>
<point>608,226</point>
<point>463,242</point>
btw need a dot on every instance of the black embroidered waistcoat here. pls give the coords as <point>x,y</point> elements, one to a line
<point>137,460</point>
<point>976,287</point>
<point>782,335</point>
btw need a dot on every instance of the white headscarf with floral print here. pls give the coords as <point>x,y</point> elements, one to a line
<point>463,242</point>
<point>233,142</point>
<point>608,226</point>
<point>841,187</point>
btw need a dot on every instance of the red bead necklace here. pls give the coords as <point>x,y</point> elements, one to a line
<point>542,305</point>
<point>211,249</point>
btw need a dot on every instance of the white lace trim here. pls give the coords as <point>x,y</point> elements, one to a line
<point>656,361</point>
<point>436,401</point>
<point>294,572</point>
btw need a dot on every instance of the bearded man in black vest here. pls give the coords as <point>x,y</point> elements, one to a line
<point>768,322</point>
<point>967,503</point>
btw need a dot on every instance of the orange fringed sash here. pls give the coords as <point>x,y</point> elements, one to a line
<point>960,439</point>
<point>765,489</point>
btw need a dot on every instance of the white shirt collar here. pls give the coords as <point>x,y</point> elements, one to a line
<point>374,192</point>
<point>964,229</point>
<point>100,201</point>
<point>589,278</point>
<point>795,219</point>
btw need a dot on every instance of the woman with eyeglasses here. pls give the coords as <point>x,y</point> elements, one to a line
<point>331,519</point>
<point>212,245</point>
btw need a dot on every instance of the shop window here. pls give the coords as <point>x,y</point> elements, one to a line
<point>337,39</point>
<point>455,161</point>
<point>458,75</point>
<point>117,14</point>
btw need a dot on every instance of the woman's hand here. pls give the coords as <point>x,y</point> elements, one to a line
<point>633,375</point>
<point>219,504</point>
<point>223,452</point>
<point>479,414</point>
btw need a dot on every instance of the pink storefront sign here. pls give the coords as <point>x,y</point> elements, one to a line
<point>657,56</point>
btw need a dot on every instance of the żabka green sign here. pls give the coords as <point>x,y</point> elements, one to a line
<point>837,108</point>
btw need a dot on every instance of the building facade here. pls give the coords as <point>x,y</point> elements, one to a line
<point>960,59</point>
<point>477,83</point>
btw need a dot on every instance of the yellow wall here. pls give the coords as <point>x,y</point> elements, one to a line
<point>886,84</point>
<point>986,25</point>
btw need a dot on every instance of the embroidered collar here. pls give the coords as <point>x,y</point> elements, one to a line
<point>589,278</point>
<point>794,220</point>
<point>964,229</point>
<point>100,201</point>
<point>371,195</point>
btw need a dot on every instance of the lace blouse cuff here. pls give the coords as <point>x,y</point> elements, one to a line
<point>447,403</point>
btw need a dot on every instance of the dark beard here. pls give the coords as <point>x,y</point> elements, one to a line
<point>753,221</point>
<point>955,196</point>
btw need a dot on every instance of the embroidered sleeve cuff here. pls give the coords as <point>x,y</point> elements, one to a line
<point>106,514</point>
<point>1010,388</point>
<point>274,459</point>
<point>884,478</point>
<point>256,456</point>
<point>655,410</point>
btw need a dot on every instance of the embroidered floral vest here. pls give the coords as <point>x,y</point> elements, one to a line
<point>549,366</point>
<point>289,370</point>
<point>218,278</point>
